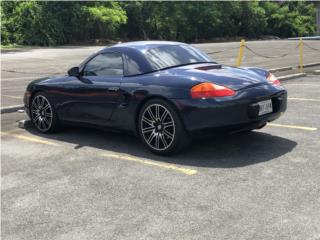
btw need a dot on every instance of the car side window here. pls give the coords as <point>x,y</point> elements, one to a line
<point>105,65</point>
<point>133,66</point>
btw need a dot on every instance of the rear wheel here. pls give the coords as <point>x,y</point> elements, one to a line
<point>43,114</point>
<point>161,129</point>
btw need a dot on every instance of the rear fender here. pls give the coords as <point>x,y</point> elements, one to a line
<point>260,71</point>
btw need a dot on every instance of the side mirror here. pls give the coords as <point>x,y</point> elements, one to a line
<point>74,72</point>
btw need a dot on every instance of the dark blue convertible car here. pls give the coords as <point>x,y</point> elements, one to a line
<point>165,92</point>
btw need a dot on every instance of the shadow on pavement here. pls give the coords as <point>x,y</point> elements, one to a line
<point>220,152</point>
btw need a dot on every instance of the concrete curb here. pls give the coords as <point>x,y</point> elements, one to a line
<point>280,69</point>
<point>11,109</point>
<point>310,65</point>
<point>306,38</point>
<point>292,76</point>
<point>316,72</point>
<point>24,123</point>
<point>290,68</point>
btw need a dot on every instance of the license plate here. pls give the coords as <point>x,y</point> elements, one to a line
<point>265,107</point>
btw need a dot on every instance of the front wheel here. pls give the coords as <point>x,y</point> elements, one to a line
<point>161,129</point>
<point>43,114</point>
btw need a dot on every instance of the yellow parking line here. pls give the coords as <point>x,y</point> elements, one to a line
<point>12,96</point>
<point>27,138</point>
<point>11,131</point>
<point>292,126</point>
<point>173,167</point>
<point>305,99</point>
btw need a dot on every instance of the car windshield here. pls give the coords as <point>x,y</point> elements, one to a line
<point>175,55</point>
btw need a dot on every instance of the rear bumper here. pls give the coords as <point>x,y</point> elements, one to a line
<point>231,114</point>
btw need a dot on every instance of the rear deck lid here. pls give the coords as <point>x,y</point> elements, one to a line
<point>231,77</point>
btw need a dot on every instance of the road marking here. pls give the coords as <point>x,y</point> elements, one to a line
<point>12,107</point>
<point>173,167</point>
<point>18,78</point>
<point>14,88</point>
<point>305,99</point>
<point>11,96</point>
<point>292,126</point>
<point>26,138</point>
<point>11,131</point>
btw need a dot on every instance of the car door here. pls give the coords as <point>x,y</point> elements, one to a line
<point>93,96</point>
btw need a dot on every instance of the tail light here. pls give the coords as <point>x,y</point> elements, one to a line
<point>272,78</point>
<point>210,90</point>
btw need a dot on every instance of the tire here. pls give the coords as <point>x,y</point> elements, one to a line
<point>43,115</point>
<point>161,129</point>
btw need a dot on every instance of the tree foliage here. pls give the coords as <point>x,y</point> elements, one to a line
<point>52,23</point>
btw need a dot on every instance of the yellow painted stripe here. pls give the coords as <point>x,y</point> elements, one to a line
<point>173,167</point>
<point>12,96</point>
<point>292,126</point>
<point>30,139</point>
<point>305,99</point>
<point>11,131</point>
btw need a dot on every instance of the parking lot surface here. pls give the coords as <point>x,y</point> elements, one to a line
<point>89,184</point>
<point>21,66</point>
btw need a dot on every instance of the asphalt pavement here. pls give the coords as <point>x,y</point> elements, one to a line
<point>21,66</point>
<point>89,184</point>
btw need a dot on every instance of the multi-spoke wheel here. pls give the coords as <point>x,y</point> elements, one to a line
<point>42,114</point>
<point>160,127</point>
<point>157,126</point>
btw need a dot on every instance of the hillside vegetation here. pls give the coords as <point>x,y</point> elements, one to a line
<point>56,23</point>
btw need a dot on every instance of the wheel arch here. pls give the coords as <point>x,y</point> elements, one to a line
<point>33,93</point>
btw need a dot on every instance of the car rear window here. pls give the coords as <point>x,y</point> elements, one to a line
<point>174,55</point>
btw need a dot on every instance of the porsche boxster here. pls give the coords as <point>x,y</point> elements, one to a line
<point>166,93</point>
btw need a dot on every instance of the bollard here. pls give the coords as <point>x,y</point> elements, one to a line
<point>240,56</point>
<point>301,54</point>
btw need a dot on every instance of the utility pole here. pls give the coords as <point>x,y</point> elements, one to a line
<point>318,19</point>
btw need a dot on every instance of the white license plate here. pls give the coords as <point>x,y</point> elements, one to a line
<point>265,107</point>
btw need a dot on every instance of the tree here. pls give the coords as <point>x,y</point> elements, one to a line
<point>52,23</point>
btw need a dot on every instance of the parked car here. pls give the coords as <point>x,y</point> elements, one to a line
<point>164,92</point>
